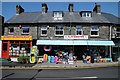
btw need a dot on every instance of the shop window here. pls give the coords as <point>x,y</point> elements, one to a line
<point>14,49</point>
<point>94,31</point>
<point>59,30</point>
<point>86,14</point>
<point>58,15</point>
<point>25,29</point>
<point>11,30</point>
<point>44,31</point>
<point>25,47</point>
<point>79,30</point>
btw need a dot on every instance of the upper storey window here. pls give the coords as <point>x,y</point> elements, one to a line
<point>86,14</point>
<point>25,29</point>
<point>59,30</point>
<point>79,30</point>
<point>94,31</point>
<point>44,30</point>
<point>58,15</point>
<point>11,30</point>
<point>118,32</point>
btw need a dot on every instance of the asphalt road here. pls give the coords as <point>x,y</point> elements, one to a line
<point>74,74</point>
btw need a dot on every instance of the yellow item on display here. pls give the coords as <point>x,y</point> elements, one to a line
<point>33,50</point>
<point>33,58</point>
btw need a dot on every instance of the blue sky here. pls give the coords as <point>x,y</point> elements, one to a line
<point>9,10</point>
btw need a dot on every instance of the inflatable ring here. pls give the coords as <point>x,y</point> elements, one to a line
<point>49,49</point>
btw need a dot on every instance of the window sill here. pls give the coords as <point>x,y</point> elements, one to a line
<point>58,18</point>
<point>44,35</point>
<point>59,35</point>
<point>25,33</point>
<point>11,33</point>
<point>94,36</point>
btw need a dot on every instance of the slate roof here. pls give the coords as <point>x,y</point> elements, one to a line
<point>75,17</point>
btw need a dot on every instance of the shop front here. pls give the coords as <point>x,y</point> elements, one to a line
<point>13,46</point>
<point>79,47</point>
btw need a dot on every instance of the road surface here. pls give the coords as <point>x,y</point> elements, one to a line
<point>74,74</point>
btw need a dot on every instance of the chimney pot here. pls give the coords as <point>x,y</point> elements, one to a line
<point>19,9</point>
<point>97,8</point>
<point>70,8</point>
<point>44,8</point>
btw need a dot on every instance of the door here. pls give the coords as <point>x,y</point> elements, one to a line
<point>5,50</point>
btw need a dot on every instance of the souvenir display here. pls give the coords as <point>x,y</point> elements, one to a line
<point>47,49</point>
<point>33,54</point>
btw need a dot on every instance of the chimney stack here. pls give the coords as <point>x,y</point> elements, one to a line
<point>97,8</point>
<point>70,8</point>
<point>44,8</point>
<point>19,9</point>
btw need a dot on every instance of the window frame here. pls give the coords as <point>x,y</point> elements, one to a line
<point>58,16</point>
<point>85,14</point>
<point>81,29</point>
<point>44,27</point>
<point>59,30</point>
<point>10,31</point>
<point>94,30</point>
<point>25,26</point>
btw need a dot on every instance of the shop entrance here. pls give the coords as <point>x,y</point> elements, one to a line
<point>5,50</point>
<point>78,51</point>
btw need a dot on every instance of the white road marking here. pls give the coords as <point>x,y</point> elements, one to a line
<point>67,78</point>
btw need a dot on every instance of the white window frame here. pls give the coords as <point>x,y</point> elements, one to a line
<point>85,14</point>
<point>58,30</point>
<point>9,30</point>
<point>117,32</point>
<point>92,28</point>
<point>44,27</point>
<point>58,15</point>
<point>81,29</point>
<point>25,26</point>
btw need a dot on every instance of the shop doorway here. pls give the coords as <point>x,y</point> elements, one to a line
<point>5,50</point>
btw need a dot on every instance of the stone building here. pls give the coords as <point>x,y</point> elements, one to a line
<point>79,31</point>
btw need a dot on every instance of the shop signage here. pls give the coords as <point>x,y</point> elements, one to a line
<point>16,37</point>
<point>76,37</point>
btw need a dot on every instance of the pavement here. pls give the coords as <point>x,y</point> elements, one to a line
<point>78,64</point>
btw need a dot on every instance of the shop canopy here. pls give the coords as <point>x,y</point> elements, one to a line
<point>101,43</point>
<point>76,42</point>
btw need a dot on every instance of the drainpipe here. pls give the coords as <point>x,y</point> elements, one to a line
<point>110,39</point>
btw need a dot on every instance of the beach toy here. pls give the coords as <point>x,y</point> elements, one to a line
<point>52,59</point>
<point>45,57</point>
<point>33,54</point>
<point>49,59</point>
<point>56,59</point>
<point>48,49</point>
<point>32,58</point>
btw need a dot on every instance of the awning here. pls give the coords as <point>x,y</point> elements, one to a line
<point>61,42</point>
<point>101,43</point>
<point>76,42</point>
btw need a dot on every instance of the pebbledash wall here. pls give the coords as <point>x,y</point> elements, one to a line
<point>55,25</point>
